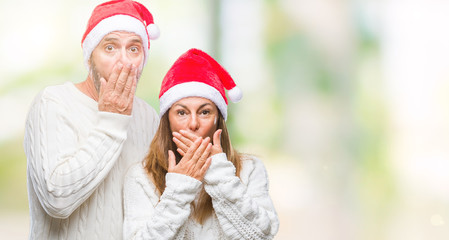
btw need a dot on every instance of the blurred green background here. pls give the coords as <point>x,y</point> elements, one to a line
<point>346,102</point>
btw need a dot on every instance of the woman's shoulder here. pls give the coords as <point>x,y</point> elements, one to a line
<point>137,176</point>
<point>135,170</point>
<point>251,161</point>
<point>252,166</point>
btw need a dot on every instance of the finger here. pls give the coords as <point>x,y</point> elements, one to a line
<point>204,156</point>
<point>180,144</point>
<point>189,135</point>
<point>114,76</point>
<point>134,87</point>
<point>205,167</point>
<point>129,82</point>
<point>131,94</point>
<point>122,78</point>
<point>199,152</point>
<point>171,160</point>
<point>192,149</point>
<point>180,151</point>
<point>217,137</point>
<point>102,87</point>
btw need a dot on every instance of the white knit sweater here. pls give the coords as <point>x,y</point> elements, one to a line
<point>77,158</point>
<point>242,206</point>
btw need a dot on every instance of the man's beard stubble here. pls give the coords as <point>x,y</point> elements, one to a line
<point>95,75</point>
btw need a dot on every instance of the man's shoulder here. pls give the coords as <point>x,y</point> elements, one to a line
<point>51,93</point>
<point>56,90</point>
<point>142,105</point>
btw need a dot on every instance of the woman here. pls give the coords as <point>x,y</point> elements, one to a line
<point>193,184</point>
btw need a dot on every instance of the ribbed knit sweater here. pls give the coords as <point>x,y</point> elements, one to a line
<point>242,206</point>
<point>77,158</point>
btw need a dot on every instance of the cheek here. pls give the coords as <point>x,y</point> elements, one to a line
<point>139,62</point>
<point>175,126</point>
<point>208,128</point>
<point>104,64</point>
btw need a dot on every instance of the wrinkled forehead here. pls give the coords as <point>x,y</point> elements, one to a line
<point>194,102</point>
<point>122,36</point>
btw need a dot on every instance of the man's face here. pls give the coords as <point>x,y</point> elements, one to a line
<point>116,47</point>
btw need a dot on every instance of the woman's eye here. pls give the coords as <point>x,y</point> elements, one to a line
<point>181,113</point>
<point>134,49</point>
<point>205,112</point>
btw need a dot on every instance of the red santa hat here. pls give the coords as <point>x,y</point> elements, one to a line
<point>119,15</point>
<point>196,74</point>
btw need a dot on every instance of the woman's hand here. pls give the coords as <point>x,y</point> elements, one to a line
<point>184,140</point>
<point>194,162</point>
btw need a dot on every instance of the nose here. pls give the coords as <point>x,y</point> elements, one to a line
<point>194,124</point>
<point>123,57</point>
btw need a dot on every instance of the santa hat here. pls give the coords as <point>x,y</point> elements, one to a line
<point>196,74</point>
<point>119,15</point>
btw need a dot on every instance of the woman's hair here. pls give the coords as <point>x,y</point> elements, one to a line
<point>156,162</point>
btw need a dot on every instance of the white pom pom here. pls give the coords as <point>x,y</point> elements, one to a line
<point>235,94</point>
<point>153,31</point>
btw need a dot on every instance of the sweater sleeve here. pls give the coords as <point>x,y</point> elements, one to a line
<point>243,211</point>
<point>64,170</point>
<point>149,217</point>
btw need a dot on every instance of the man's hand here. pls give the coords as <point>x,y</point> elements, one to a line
<point>117,94</point>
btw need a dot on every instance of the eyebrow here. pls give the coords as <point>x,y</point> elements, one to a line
<point>204,105</point>
<point>136,40</point>
<point>114,39</point>
<point>109,40</point>
<point>184,106</point>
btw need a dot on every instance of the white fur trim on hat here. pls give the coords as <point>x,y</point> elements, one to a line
<point>235,94</point>
<point>111,24</point>
<point>192,89</point>
<point>153,31</point>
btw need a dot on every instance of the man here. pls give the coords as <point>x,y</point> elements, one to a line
<point>81,138</point>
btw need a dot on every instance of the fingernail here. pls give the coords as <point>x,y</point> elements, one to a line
<point>120,66</point>
<point>128,65</point>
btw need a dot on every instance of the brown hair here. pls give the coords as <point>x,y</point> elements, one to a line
<point>156,163</point>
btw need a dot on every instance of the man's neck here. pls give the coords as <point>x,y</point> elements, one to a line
<point>87,87</point>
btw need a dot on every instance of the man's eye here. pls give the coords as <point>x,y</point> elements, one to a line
<point>109,48</point>
<point>134,49</point>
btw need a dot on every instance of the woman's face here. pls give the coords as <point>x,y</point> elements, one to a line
<point>194,114</point>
